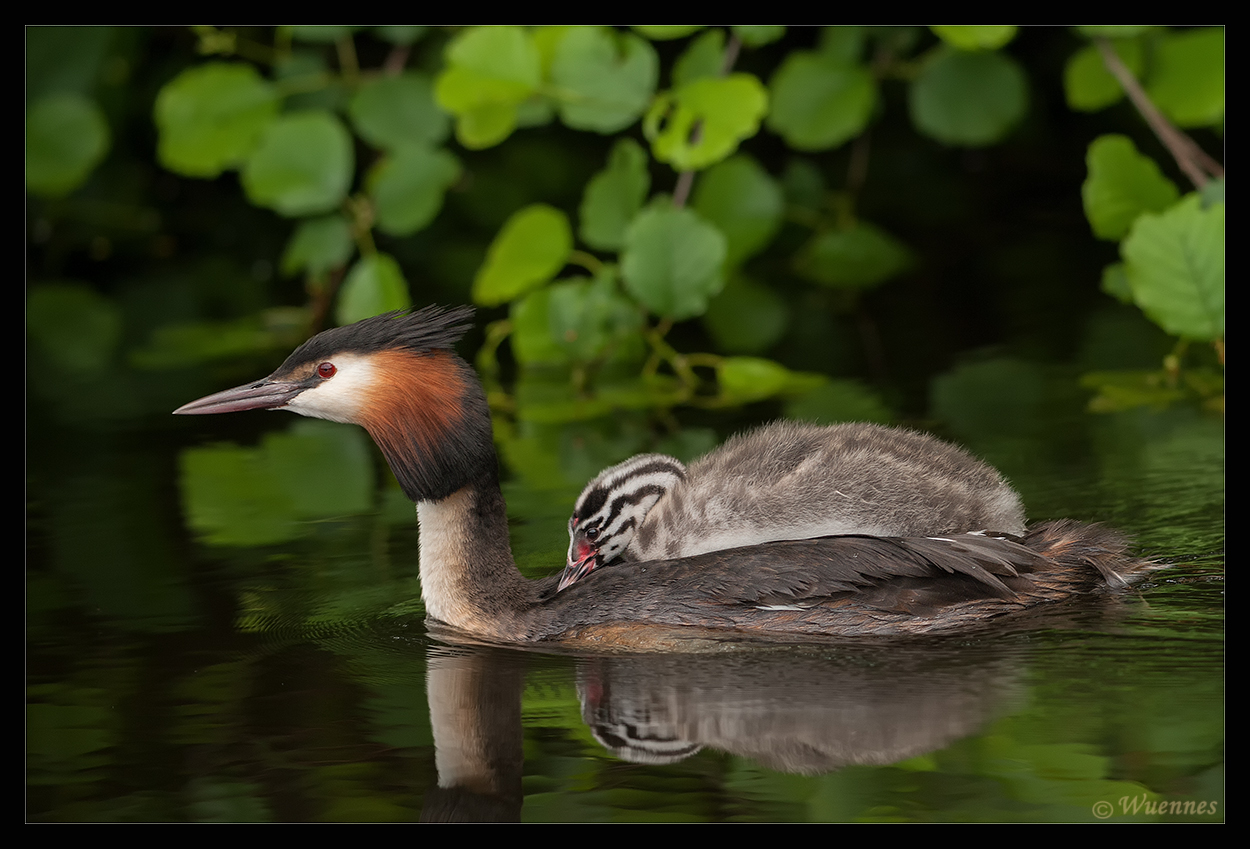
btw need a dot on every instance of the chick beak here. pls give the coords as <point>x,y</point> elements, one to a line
<point>578,569</point>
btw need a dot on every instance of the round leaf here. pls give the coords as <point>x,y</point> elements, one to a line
<point>975,37</point>
<point>820,101</point>
<point>725,110</point>
<point>210,116</point>
<point>858,258</point>
<point>408,186</point>
<point>1087,83</point>
<point>667,32</point>
<point>490,72</point>
<point>530,250</point>
<point>758,36</point>
<point>1122,184</point>
<point>1175,264</point>
<point>1187,82</point>
<point>393,111</point>
<point>744,203</point>
<point>318,245</point>
<point>374,285</point>
<point>66,137</point>
<point>672,261</point>
<point>969,99</point>
<point>603,81</point>
<point>705,57</point>
<point>614,196</point>
<point>302,165</point>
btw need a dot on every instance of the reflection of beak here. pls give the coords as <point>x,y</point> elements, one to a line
<point>263,395</point>
<point>578,569</point>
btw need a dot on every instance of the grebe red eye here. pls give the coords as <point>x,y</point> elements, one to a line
<point>326,370</point>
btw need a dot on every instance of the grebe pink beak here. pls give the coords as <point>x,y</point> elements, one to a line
<point>266,394</point>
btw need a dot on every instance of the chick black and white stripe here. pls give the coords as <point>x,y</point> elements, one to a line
<point>612,506</point>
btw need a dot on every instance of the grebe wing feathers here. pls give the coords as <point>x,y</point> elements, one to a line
<point>807,572</point>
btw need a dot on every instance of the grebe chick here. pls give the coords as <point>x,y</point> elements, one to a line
<point>787,480</point>
<point>397,376</point>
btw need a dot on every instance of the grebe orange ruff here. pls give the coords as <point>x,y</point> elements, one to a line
<point>397,376</point>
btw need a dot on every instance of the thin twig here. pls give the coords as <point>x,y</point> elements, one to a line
<point>1192,159</point>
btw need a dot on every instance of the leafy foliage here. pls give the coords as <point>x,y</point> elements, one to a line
<point>705,189</point>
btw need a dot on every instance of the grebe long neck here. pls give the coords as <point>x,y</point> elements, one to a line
<point>436,436</point>
<point>468,577</point>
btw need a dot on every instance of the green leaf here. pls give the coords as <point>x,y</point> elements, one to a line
<point>758,36</point>
<point>975,37</point>
<point>66,137</point>
<point>532,342</point>
<point>744,203</point>
<point>603,80</point>
<point>705,57</point>
<point>490,72</point>
<point>725,110</point>
<point>858,258</point>
<point>1087,83</point>
<point>746,379</point>
<point>318,245</point>
<point>374,285</point>
<point>1175,264</point>
<point>407,187</point>
<point>587,318</point>
<point>820,101</point>
<point>1114,282</point>
<point>614,196</point>
<point>302,165</point>
<point>672,261</point>
<point>1121,185</point>
<point>845,44</point>
<point>971,99</point>
<point>746,318</point>
<point>667,33</point>
<point>530,250</point>
<point>1187,80</point>
<point>392,111</point>
<point>209,117</point>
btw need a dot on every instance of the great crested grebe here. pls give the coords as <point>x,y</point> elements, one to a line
<point>397,376</point>
<point>787,480</point>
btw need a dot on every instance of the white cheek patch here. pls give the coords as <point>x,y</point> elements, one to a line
<point>342,397</point>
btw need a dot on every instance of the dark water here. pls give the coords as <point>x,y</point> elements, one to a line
<point>237,636</point>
